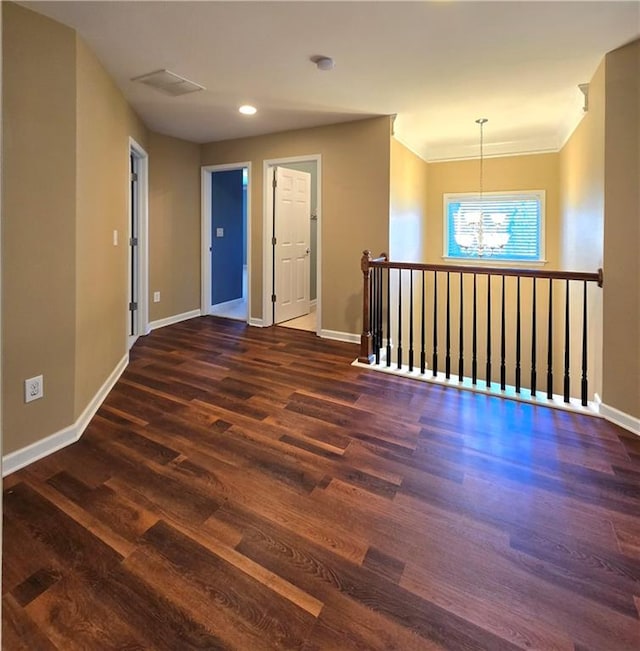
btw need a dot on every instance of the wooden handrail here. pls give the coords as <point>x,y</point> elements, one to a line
<point>596,276</point>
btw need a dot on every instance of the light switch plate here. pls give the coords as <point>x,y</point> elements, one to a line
<point>219,232</point>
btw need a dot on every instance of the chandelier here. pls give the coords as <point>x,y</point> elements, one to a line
<point>477,231</point>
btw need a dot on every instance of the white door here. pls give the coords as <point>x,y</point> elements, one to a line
<point>292,232</point>
<point>133,250</point>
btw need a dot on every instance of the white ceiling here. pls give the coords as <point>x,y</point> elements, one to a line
<point>437,65</point>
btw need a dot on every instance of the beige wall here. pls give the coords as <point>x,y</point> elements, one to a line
<point>582,186</point>
<point>407,204</point>
<point>38,222</point>
<point>354,198</point>
<point>621,293</point>
<point>174,226</point>
<point>104,124</point>
<point>65,178</point>
<point>407,228</point>
<point>582,223</point>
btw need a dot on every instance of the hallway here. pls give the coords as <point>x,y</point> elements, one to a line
<point>246,488</point>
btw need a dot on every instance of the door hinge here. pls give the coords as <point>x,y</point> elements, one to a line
<point>273,241</point>
<point>134,176</point>
<point>275,182</point>
<point>273,298</point>
<point>133,306</point>
<point>133,241</point>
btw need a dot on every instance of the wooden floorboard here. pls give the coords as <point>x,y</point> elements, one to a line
<point>246,488</point>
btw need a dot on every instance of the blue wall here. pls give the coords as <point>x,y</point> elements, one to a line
<point>227,252</point>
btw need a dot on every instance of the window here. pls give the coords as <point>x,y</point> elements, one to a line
<point>504,226</point>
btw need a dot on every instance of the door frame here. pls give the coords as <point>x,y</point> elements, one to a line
<point>267,229</point>
<point>142,215</point>
<point>205,229</point>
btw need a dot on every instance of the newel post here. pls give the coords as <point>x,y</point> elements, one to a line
<point>366,339</point>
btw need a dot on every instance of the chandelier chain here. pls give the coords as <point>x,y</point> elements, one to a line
<point>477,233</point>
<point>481,160</point>
<point>481,122</point>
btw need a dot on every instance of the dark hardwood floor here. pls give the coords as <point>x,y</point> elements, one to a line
<point>248,489</point>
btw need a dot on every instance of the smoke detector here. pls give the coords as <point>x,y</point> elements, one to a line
<point>169,83</point>
<point>323,63</point>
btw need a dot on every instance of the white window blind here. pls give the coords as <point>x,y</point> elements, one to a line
<point>512,226</point>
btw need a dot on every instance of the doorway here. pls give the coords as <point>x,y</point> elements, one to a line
<point>226,199</point>
<point>137,242</point>
<point>292,242</point>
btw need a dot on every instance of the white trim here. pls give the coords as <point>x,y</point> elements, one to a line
<point>336,335</point>
<point>617,417</point>
<point>541,400</point>
<point>90,410</point>
<point>267,229</point>
<point>257,323</point>
<point>142,325</point>
<point>27,455</point>
<point>205,233</point>
<point>448,153</point>
<point>313,303</point>
<point>267,262</point>
<point>23,457</point>
<point>205,238</point>
<point>176,318</point>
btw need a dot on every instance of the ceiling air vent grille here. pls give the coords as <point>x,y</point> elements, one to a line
<point>169,83</point>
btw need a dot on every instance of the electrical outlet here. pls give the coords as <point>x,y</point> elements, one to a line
<point>33,388</point>
<point>156,297</point>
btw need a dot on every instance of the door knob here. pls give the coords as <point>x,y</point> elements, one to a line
<point>308,251</point>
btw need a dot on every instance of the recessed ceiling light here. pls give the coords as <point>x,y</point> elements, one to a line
<point>247,109</point>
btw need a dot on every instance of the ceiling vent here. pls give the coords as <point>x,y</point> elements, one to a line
<point>169,83</point>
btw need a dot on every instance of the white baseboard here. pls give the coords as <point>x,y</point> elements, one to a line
<point>176,318</point>
<point>42,448</point>
<point>46,446</point>
<point>257,323</point>
<point>617,417</point>
<point>540,399</point>
<point>313,302</point>
<point>349,337</point>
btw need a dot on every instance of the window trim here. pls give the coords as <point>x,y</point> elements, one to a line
<point>448,197</point>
